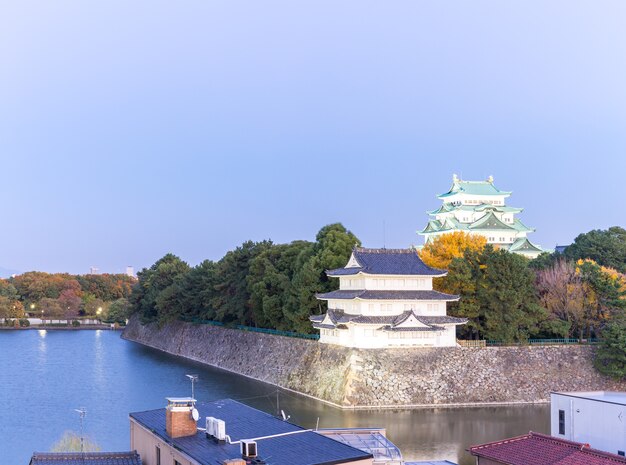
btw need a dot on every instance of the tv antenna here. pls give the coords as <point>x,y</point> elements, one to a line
<point>82,412</point>
<point>193,379</point>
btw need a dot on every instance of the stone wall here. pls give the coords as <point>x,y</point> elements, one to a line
<point>383,377</point>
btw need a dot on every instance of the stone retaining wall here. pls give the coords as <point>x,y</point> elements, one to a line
<point>378,378</point>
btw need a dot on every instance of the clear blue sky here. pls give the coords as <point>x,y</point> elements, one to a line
<point>132,129</point>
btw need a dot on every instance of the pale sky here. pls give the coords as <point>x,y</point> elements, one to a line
<point>133,129</point>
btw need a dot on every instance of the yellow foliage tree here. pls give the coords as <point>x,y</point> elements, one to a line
<point>440,252</point>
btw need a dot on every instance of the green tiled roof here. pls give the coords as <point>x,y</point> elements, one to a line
<point>473,188</point>
<point>519,226</point>
<point>432,226</point>
<point>524,245</point>
<point>490,221</point>
<point>447,207</point>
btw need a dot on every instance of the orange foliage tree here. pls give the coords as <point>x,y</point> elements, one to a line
<point>440,251</point>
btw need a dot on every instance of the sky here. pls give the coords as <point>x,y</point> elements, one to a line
<point>132,129</point>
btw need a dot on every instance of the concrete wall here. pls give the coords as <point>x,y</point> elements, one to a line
<point>401,377</point>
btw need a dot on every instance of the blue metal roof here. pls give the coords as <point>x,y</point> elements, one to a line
<point>389,262</point>
<point>243,422</point>
<point>92,458</point>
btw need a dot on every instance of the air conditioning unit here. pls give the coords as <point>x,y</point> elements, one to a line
<point>219,429</point>
<point>248,448</point>
<point>210,426</point>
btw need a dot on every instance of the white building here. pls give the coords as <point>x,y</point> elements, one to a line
<point>597,418</point>
<point>479,207</point>
<point>386,299</point>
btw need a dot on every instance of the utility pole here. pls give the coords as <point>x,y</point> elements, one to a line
<point>82,412</point>
<point>193,379</point>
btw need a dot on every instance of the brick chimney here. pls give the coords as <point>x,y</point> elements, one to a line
<point>179,417</point>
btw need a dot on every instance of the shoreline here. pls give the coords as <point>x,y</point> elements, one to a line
<point>463,405</point>
<point>61,328</point>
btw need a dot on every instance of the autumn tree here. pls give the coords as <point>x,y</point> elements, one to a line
<point>11,308</point>
<point>50,308</point>
<point>71,442</point>
<point>440,251</point>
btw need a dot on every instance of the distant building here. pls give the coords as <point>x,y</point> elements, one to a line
<point>94,270</point>
<point>597,418</point>
<point>560,248</point>
<point>541,449</point>
<point>84,458</point>
<point>386,299</point>
<point>130,271</point>
<point>231,433</point>
<point>479,208</point>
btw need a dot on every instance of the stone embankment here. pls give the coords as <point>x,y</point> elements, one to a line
<point>383,378</point>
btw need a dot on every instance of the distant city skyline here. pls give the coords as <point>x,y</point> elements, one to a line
<point>130,130</point>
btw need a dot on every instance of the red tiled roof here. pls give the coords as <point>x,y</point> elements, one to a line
<point>540,449</point>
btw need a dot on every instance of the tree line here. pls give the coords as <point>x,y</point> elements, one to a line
<point>506,297</point>
<point>258,284</point>
<point>66,296</point>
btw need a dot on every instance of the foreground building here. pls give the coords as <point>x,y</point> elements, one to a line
<point>540,449</point>
<point>231,433</point>
<point>479,207</point>
<point>386,299</point>
<point>597,418</point>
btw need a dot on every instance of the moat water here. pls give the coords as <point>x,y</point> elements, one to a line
<point>45,375</point>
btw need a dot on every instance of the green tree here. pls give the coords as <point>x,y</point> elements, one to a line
<point>196,291</point>
<point>605,247</point>
<point>151,298</point>
<point>332,249</point>
<point>498,296</point>
<point>117,311</point>
<point>231,300</point>
<point>610,356</point>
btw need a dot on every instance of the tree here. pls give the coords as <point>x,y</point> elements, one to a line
<point>145,296</point>
<point>8,290</point>
<point>50,308</point>
<point>565,294</point>
<point>439,252</point>
<point>93,306</point>
<point>70,302</point>
<point>117,311</point>
<point>497,296</point>
<point>11,308</point>
<point>71,442</point>
<point>332,249</point>
<point>610,357</point>
<point>605,247</point>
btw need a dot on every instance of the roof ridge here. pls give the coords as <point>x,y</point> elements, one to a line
<point>383,250</point>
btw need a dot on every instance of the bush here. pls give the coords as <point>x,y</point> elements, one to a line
<point>75,323</point>
<point>24,323</point>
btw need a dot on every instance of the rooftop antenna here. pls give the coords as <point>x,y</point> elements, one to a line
<point>193,379</point>
<point>82,412</point>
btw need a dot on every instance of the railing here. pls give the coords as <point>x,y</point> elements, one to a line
<point>530,342</point>
<point>275,332</point>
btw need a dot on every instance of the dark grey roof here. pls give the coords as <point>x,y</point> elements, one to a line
<point>340,317</point>
<point>86,458</point>
<point>387,295</point>
<point>243,422</point>
<point>387,261</point>
<point>414,328</point>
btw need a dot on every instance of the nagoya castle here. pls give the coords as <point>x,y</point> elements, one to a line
<point>479,207</point>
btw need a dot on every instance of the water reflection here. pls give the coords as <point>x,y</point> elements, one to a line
<point>49,374</point>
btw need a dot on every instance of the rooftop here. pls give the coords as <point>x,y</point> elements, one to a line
<point>243,422</point>
<point>473,188</point>
<point>603,396</point>
<point>387,295</point>
<point>369,440</point>
<point>86,458</point>
<point>540,449</point>
<point>386,262</point>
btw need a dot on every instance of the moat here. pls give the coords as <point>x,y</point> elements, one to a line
<point>48,374</point>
